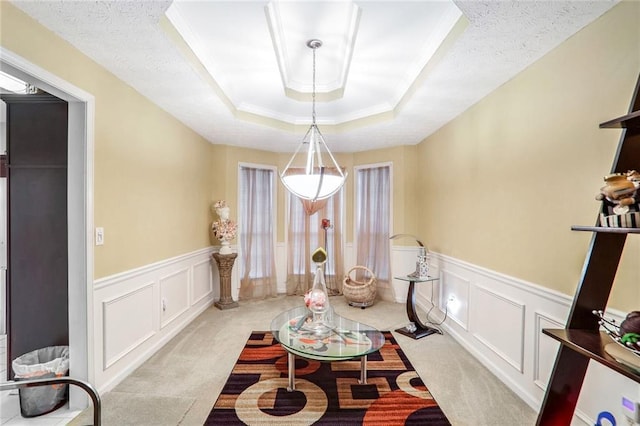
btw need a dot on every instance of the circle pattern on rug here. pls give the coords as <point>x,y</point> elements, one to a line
<point>248,409</point>
<point>404,383</point>
<point>303,366</point>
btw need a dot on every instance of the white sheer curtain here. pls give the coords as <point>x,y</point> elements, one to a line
<point>256,229</point>
<point>373,215</point>
<point>305,234</point>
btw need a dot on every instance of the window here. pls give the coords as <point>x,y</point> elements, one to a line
<point>306,234</point>
<point>256,232</point>
<point>373,218</point>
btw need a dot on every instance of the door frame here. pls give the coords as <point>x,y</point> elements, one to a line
<point>80,174</point>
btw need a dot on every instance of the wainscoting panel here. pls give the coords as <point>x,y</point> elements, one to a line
<point>130,324</point>
<point>202,283</point>
<point>174,296</point>
<point>545,351</point>
<point>500,328</point>
<point>455,290</point>
<point>504,332</point>
<point>122,333</point>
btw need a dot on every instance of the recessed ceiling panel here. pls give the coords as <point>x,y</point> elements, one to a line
<point>372,53</point>
<point>333,23</point>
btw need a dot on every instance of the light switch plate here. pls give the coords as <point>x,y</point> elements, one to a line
<point>99,236</point>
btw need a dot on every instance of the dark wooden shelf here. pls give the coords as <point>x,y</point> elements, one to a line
<point>629,121</point>
<point>606,229</point>
<point>591,344</point>
<point>582,340</point>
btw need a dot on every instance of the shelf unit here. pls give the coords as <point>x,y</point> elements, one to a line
<point>582,340</point>
<point>629,121</point>
<point>591,344</point>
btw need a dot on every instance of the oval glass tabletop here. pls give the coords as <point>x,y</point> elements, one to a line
<point>347,339</point>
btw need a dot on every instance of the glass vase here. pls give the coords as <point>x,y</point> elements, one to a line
<point>321,323</point>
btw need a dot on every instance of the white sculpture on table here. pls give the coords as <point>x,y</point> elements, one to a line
<point>224,228</point>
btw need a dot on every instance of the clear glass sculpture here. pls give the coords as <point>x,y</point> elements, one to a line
<point>317,300</point>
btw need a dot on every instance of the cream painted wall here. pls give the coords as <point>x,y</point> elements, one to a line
<point>152,174</point>
<point>505,181</point>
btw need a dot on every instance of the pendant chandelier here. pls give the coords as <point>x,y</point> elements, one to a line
<point>308,175</point>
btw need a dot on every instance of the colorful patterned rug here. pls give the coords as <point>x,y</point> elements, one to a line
<point>326,393</point>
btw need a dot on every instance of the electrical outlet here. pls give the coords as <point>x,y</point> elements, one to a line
<point>453,304</point>
<point>631,409</point>
<point>99,236</point>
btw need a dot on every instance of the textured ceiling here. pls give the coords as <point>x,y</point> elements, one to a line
<point>215,86</point>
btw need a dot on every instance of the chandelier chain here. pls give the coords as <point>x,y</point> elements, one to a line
<point>313,91</point>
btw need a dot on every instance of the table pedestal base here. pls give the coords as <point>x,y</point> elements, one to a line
<point>418,333</point>
<point>291,369</point>
<point>363,370</point>
<point>228,305</point>
<point>291,366</point>
<point>421,329</point>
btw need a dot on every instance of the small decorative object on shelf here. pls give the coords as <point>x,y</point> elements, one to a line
<point>422,264</point>
<point>224,229</point>
<point>620,207</point>
<point>627,335</point>
<point>317,300</point>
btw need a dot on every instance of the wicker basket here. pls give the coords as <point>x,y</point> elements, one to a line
<point>359,293</point>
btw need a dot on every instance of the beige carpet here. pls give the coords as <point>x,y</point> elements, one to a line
<point>180,384</point>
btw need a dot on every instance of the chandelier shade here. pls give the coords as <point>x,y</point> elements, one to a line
<point>313,173</point>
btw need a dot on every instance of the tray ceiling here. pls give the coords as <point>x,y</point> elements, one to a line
<point>388,73</point>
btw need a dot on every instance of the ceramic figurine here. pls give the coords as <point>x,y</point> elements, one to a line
<point>224,228</point>
<point>620,190</point>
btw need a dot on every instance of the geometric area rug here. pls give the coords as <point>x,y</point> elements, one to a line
<point>327,393</point>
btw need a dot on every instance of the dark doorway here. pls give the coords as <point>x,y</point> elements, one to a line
<point>37,237</point>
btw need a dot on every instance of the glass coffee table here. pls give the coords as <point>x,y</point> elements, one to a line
<point>347,340</point>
